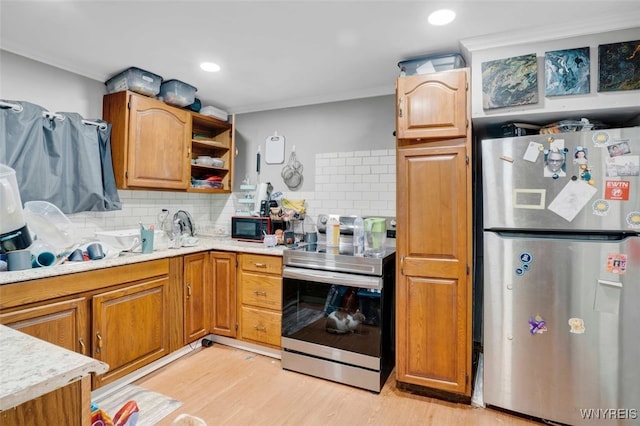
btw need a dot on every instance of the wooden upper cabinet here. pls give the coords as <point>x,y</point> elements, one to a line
<point>150,142</point>
<point>432,106</point>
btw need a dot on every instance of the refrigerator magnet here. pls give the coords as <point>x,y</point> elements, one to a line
<point>537,325</point>
<point>600,139</point>
<point>633,220</point>
<point>600,207</point>
<point>526,257</point>
<point>617,190</point>
<point>576,325</point>
<point>533,151</point>
<point>616,263</point>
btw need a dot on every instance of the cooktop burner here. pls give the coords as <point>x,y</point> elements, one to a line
<point>342,259</point>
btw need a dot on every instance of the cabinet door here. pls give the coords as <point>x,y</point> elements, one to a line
<point>130,327</point>
<point>223,320</point>
<point>159,145</point>
<point>197,294</point>
<point>433,248</point>
<point>61,323</point>
<point>432,105</point>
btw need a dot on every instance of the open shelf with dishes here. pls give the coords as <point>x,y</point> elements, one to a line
<point>212,152</point>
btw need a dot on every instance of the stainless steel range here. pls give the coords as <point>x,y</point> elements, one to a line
<point>338,310</point>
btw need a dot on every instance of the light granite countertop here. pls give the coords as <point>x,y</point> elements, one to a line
<point>204,244</point>
<point>31,367</point>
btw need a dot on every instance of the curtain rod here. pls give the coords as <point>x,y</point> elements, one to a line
<point>52,115</point>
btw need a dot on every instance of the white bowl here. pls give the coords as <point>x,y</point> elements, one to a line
<point>129,239</point>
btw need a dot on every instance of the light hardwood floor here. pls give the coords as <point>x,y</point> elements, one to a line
<point>228,386</point>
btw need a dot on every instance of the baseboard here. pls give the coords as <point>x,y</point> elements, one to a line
<point>239,344</point>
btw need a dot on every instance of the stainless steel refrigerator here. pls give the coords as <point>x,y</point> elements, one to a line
<point>561,250</point>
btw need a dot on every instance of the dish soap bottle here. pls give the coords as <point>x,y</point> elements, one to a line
<point>358,237</point>
<point>333,232</point>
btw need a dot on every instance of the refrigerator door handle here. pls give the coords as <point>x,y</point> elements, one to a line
<point>610,283</point>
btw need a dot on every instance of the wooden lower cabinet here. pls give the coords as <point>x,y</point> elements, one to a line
<point>197,291</point>
<point>433,279</point>
<point>260,299</point>
<point>63,323</point>
<point>118,315</point>
<point>223,317</point>
<point>130,327</point>
<point>69,405</point>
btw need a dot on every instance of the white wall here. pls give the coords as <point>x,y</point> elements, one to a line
<point>347,149</point>
<point>623,102</point>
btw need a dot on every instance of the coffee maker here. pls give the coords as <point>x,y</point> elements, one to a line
<point>14,234</point>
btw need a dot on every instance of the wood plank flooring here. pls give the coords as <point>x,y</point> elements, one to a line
<point>228,386</point>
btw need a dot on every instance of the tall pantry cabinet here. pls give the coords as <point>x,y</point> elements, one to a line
<point>434,236</point>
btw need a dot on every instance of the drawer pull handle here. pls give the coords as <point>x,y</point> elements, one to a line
<point>261,265</point>
<point>99,344</point>
<point>260,293</point>
<point>260,327</point>
<point>188,291</point>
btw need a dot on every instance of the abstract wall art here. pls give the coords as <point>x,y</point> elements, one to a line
<point>566,72</point>
<point>619,66</point>
<point>510,82</point>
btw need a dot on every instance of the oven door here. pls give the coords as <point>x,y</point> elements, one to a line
<point>333,315</point>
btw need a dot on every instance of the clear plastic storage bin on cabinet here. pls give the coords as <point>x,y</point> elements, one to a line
<point>137,80</point>
<point>178,93</point>
<point>429,64</point>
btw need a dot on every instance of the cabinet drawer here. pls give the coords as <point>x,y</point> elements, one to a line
<point>262,264</point>
<point>263,291</point>
<point>261,326</point>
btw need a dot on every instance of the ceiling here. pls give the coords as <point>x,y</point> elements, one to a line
<point>273,54</point>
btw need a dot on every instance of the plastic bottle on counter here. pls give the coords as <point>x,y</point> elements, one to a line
<point>358,237</point>
<point>333,232</point>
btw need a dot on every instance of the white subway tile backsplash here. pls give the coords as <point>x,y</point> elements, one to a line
<point>350,182</point>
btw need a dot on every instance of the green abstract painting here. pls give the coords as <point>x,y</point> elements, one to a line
<point>510,82</point>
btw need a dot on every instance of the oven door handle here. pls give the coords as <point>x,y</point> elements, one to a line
<point>359,281</point>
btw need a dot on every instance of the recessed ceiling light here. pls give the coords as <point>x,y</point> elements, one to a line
<point>210,67</point>
<point>442,17</point>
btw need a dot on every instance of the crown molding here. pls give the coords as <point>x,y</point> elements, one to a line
<point>601,24</point>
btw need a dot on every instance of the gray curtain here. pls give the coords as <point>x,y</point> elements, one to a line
<point>59,158</point>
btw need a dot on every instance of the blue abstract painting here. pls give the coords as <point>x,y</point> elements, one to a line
<point>510,82</point>
<point>566,72</point>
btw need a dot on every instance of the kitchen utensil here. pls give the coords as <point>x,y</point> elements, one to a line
<point>49,223</point>
<point>292,173</point>
<point>185,222</point>
<point>146,235</point>
<point>375,236</point>
<point>94,250</point>
<point>17,260</point>
<point>42,254</point>
<point>270,240</point>
<point>76,256</point>
<point>14,234</point>
<point>274,149</point>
